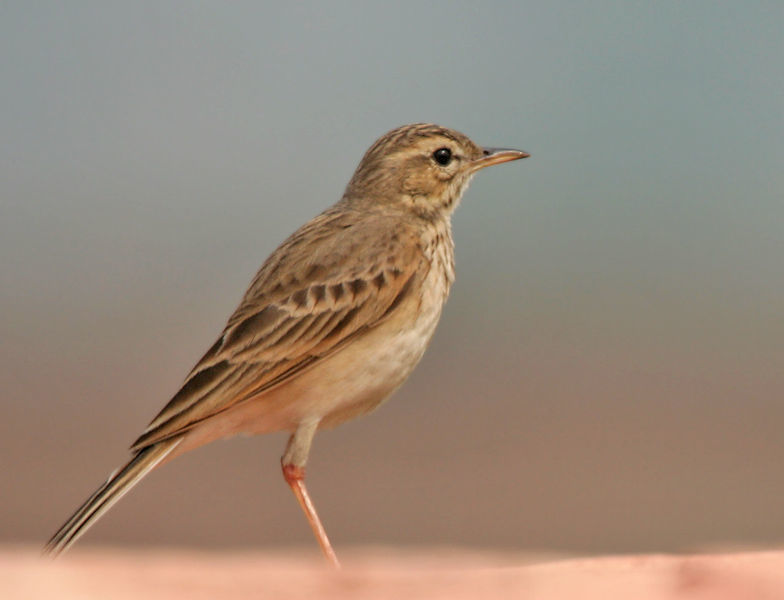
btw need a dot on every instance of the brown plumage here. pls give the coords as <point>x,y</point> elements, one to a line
<point>334,321</point>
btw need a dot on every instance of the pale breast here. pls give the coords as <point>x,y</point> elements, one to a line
<point>363,374</point>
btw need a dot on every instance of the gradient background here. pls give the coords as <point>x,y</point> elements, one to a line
<point>607,375</point>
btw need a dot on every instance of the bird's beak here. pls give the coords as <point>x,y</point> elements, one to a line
<point>496,156</point>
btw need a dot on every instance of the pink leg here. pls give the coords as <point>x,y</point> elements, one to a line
<point>295,477</point>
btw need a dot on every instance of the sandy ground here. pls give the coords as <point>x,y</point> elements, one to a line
<point>380,573</point>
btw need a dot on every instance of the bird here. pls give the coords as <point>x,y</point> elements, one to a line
<point>332,324</point>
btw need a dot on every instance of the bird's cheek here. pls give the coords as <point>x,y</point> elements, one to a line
<point>415,184</point>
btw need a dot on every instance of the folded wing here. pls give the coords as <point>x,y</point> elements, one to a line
<point>316,292</point>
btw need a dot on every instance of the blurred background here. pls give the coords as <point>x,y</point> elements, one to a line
<point>607,375</point>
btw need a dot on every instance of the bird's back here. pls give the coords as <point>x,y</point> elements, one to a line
<point>347,275</point>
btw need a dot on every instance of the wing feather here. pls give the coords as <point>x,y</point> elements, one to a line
<point>291,318</point>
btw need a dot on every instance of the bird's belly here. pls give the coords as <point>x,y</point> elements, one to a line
<point>360,377</point>
<point>351,382</point>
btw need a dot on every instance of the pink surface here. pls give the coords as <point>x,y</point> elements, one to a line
<point>386,573</point>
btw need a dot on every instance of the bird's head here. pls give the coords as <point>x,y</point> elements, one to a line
<point>423,166</point>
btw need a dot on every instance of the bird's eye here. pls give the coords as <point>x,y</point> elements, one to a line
<point>443,156</point>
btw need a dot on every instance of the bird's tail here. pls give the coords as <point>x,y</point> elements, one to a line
<point>119,482</point>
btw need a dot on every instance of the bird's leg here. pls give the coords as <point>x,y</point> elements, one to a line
<point>295,477</point>
<point>293,464</point>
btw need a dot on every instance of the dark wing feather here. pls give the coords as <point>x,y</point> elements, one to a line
<point>312,295</point>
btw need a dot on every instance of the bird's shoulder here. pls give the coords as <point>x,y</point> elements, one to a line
<point>340,247</point>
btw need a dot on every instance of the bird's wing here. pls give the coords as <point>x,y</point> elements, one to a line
<point>323,286</point>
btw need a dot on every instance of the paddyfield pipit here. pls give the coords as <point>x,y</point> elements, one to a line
<point>334,321</point>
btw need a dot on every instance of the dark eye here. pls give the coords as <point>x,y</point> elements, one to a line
<point>442,156</point>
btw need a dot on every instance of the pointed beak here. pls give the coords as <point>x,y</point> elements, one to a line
<point>496,156</point>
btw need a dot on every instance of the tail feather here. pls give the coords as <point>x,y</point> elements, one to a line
<point>118,484</point>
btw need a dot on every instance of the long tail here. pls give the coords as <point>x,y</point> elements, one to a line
<point>119,482</point>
